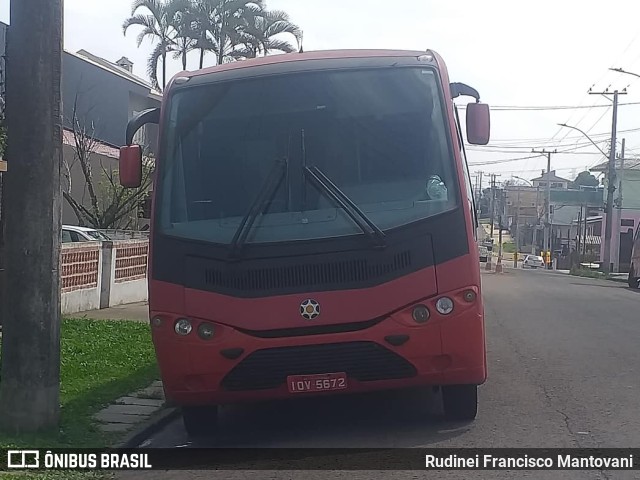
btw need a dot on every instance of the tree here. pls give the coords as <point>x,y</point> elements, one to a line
<point>30,385</point>
<point>219,26</point>
<point>485,202</point>
<point>110,205</point>
<point>157,25</point>
<point>231,29</point>
<point>181,17</point>
<point>586,179</point>
<point>264,27</point>
<point>3,126</point>
<point>3,130</point>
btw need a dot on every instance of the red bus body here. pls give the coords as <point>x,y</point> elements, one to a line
<point>367,333</point>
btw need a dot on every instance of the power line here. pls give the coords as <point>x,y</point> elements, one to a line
<point>529,141</point>
<point>508,149</point>
<point>520,108</point>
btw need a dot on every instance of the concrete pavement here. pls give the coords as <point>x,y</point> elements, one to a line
<point>564,361</point>
<point>131,311</point>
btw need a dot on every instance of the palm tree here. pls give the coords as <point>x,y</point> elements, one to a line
<point>204,15</point>
<point>183,21</point>
<point>221,25</point>
<point>262,29</point>
<point>156,25</point>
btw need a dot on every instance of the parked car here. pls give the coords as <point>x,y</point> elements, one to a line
<point>533,261</point>
<point>484,253</point>
<point>72,233</point>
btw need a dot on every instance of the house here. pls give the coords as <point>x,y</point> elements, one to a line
<point>99,97</point>
<point>105,95</point>
<point>627,219</point>
<point>556,182</point>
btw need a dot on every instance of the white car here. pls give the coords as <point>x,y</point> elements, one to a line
<point>533,261</point>
<point>72,233</point>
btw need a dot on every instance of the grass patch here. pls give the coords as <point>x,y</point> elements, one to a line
<point>100,361</point>
<point>509,247</point>
<point>588,273</point>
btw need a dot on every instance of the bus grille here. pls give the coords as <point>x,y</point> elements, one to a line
<point>363,361</point>
<point>317,273</point>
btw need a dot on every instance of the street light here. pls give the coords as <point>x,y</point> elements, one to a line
<point>620,70</point>
<point>586,136</point>
<point>523,179</point>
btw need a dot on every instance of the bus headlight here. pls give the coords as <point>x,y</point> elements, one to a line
<point>444,305</point>
<point>206,331</point>
<point>183,327</point>
<point>156,322</point>
<point>420,314</point>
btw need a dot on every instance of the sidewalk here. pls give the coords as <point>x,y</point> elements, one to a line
<point>613,277</point>
<point>617,277</point>
<point>132,311</point>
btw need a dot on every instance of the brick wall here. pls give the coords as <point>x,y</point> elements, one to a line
<point>79,266</point>
<point>97,275</point>
<point>131,260</point>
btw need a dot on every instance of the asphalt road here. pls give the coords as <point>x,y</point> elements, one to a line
<point>564,359</point>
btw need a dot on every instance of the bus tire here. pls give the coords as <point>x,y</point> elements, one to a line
<point>460,402</point>
<point>633,281</point>
<point>200,422</point>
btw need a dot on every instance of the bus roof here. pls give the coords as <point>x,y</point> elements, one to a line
<point>297,57</point>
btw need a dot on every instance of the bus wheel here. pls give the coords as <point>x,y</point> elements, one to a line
<point>633,281</point>
<point>460,401</point>
<point>200,422</point>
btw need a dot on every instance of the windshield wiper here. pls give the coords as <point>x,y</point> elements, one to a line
<point>269,188</point>
<point>325,185</point>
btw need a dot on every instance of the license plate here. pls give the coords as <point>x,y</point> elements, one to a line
<point>317,383</point>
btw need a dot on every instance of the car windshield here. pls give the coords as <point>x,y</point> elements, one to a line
<point>97,235</point>
<point>379,135</point>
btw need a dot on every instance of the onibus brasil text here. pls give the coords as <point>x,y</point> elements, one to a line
<point>55,460</point>
<point>525,461</point>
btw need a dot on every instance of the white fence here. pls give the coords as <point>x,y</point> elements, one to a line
<point>103,274</point>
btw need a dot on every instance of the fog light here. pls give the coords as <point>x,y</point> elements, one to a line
<point>444,305</point>
<point>206,331</point>
<point>469,296</point>
<point>183,327</point>
<point>156,321</point>
<point>420,314</point>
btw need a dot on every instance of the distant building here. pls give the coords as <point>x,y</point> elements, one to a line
<point>556,182</point>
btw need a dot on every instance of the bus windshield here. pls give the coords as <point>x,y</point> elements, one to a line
<point>380,135</point>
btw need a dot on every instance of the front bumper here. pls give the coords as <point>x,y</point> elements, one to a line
<point>393,352</point>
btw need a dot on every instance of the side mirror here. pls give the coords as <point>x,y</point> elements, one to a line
<point>130,166</point>
<point>478,123</point>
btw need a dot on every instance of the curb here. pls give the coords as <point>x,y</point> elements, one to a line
<point>144,430</point>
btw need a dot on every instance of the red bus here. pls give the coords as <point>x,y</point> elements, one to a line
<point>313,231</point>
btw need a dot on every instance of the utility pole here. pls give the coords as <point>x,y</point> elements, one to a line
<point>515,256</point>
<point>493,199</point>
<point>584,243</point>
<point>579,237</point>
<point>611,187</point>
<point>616,233</point>
<point>535,227</point>
<point>547,213</point>
<point>29,390</point>
<point>479,191</point>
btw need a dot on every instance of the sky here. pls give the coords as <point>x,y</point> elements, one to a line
<point>539,54</point>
